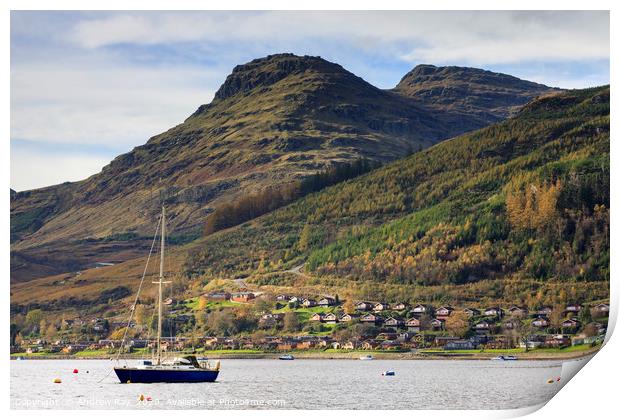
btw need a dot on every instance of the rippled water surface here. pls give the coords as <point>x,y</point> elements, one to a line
<point>298,384</point>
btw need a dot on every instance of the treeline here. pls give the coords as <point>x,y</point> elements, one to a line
<point>255,205</point>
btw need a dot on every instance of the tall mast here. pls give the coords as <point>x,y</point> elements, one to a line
<point>161,281</point>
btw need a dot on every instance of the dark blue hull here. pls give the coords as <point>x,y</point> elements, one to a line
<point>147,376</point>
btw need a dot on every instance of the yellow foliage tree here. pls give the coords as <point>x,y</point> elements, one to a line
<point>534,207</point>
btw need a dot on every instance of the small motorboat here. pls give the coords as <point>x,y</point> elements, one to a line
<point>389,373</point>
<point>286,357</point>
<point>503,358</point>
<point>367,357</point>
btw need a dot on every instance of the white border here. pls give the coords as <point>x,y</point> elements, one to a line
<point>592,393</point>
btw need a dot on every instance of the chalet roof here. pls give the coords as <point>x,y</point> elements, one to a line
<point>393,319</point>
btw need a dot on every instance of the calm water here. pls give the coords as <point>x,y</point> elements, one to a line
<point>299,384</point>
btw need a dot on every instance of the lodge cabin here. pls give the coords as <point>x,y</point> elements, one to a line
<point>316,317</point>
<point>495,311</point>
<point>348,317</point>
<point>370,344</point>
<point>295,299</point>
<point>544,311</point>
<point>269,320</point>
<point>571,323</point>
<point>441,341</point>
<point>394,322</point>
<point>387,336</point>
<point>324,342</point>
<point>471,312</point>
<point>483,327</point>
<point>557,341</point>
<point>380,307</point>
<point>371,319</point>
<point>218,296</point>
<point>413,325</point>
<point>243,297</point>
<point>287,345</point>
<point>540,322</point>
<point>326,301</point>
<point>518,311</point>
<point>419,309</point>
<point>390,345</point>
<point>573,308</point>
<point>497,342</point>
<point>532,342</point>
<point>351,345</point>
<point>601,310</point>
<point>400,306</point>
<point>444,312</point>
<point>74,348</point>
<point>283,298</point>
<point>599,327</point>
<point>437,324</point>
<point>460,345</point>
<point>330,318</point>
<point>363,306</point>
<point>308,303</point>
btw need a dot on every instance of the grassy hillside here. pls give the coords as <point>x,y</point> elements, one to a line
<point>526,198</point>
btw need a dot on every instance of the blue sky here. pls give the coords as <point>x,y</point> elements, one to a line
<point>88,86</point>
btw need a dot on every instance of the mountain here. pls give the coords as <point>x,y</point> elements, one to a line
<point>486,95</point>
<point>275,119</point>
<point>517,212</point>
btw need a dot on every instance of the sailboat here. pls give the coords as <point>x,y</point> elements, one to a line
<point>179,369</point>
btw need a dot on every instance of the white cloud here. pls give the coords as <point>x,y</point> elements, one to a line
<point>31,169</point>
<point>439,37</point>
<point>118,106</point>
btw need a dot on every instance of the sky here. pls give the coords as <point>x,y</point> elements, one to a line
<point>88,86</point>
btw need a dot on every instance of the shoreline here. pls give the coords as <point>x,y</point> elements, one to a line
<point>354,355</point>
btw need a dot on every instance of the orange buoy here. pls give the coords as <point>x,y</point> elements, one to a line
<point>57,381</point>
<point>75,371</point>
<point>141,397</point>
<point>550,381</point>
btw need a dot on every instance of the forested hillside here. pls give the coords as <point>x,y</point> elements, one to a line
<point>527,198</point>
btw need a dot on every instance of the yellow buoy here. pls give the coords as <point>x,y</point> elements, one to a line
<point>141,397</point>
<point>57,381</point>
<point>550,381</point>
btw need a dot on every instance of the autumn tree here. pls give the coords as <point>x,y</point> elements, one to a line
<point>534,207</point>
<point>457,324</point>
<point>140,315</point>
<point>291,321</point>
<point>221,323</point>
<point>34,317</point>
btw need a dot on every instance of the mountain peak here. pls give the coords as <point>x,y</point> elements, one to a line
<point>427,73</point>
<point>492,96</point>
<point>268,70</point>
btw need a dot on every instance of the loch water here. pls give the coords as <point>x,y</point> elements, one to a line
<point>297,384</point>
